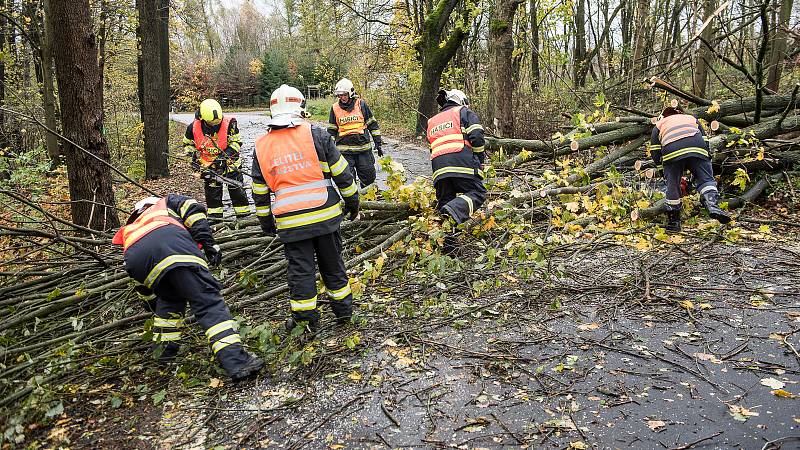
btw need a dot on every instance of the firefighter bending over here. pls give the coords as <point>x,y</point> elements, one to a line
<point>162,244</point>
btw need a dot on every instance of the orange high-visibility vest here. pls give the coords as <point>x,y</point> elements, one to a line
<point>154,217</point>
<point>290,166</point>
<point>444,133</point>
<point>205,144</point>
<point>349,122</point>
<point>675,127</point>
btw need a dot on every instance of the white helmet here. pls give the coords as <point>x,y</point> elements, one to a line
<point>287,103</point>
<point>344,86</point>
<point>453,95</point>
<point>141,206</point>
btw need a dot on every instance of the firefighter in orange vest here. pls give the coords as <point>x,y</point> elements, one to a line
<point>212,140</point>
<point>352,124</point>
<point>455,136</point>
<point>298,163</point>
<point>164,244</point>
<point>678,141</point>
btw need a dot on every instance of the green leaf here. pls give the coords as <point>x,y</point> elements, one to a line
<point>116,402</point>
<point>158,397</point>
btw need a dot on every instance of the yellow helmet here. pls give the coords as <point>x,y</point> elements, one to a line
<point>211,111</point>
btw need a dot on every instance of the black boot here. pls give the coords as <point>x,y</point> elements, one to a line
<point>249,369</point>
<point>710,200</point>
<point>343,310</point>
<point>311,326</point>
<point>238,363</point>
<point>450,245</point>
<point>165,352</point>
<point>673,224</point>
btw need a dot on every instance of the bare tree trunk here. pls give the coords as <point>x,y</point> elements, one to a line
<point>642,33</point>
<point>579,50</point>
<point>48,95</point>
<point>704,54</point>
<point>435,57</point>
<point>779,44</point>
<point>80,92</point>
<point>155,96</point>
<point>535,47</point>
<point>501,39</point>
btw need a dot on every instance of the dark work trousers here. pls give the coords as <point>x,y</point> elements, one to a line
<point>362,165</point>
<point>198,287</point>
<point>459,197</point>
<point>701,170</point>
<point>303,281</point>
<point>213,190</point>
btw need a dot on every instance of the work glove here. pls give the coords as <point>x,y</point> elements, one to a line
<point>380,151</point>
<point>206,175</point>
<point>213,254</point>
<point>268,225</point>
<point>351,207</point>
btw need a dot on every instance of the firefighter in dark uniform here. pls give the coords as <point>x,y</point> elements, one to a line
<point>678,141</point>
<point>162,245</point>
<point>299,164</point>
<point>212,140</point>
<point>352,124</point>
<point>455,136</point>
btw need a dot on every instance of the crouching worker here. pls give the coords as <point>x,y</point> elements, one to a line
<point>164,243</point>
<point>456,140</point>
<point>298,162</point>
<point>679,142</point>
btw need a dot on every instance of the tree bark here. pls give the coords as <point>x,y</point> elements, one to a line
<point>536,76</point>
<point>155,95</point>
<point>704,54</point>
<point>501,89</point>
<point>435,57</point>
<point>779,45</point>
<point>579,50</point>
<point>642,33</point>
<point>48,95</point>
<point>81,94</point>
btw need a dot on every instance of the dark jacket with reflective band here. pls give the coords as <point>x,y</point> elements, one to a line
<point>230,154</point>
<point>334,167</point>
<point>691,146</point>
<point>170,246</point>
<point>355,142</point>
<point>466,163</point>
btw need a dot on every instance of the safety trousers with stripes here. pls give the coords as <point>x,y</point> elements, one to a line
<point>459,197</point>
<point>702,172</point>
<point>198,287</point>
<point>213,191</point>
<point>302,272</point>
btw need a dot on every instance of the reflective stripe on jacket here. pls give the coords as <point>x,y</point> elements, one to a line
<point>444,133</point>
<point>156,242</point>
<point>206,144</point>
<point>289,162</point>
<point>676,127</point>
<point>154,217</point>
<point>349,122</point>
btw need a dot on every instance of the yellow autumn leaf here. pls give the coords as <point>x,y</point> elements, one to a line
<point>713,108</point>
<point>354,375</point>
<point>579,445</point>
<point>489,224</point>
<point>783,393</point>
<point>215,383</point>
<point>687,304</point>
<point>705,306</point>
